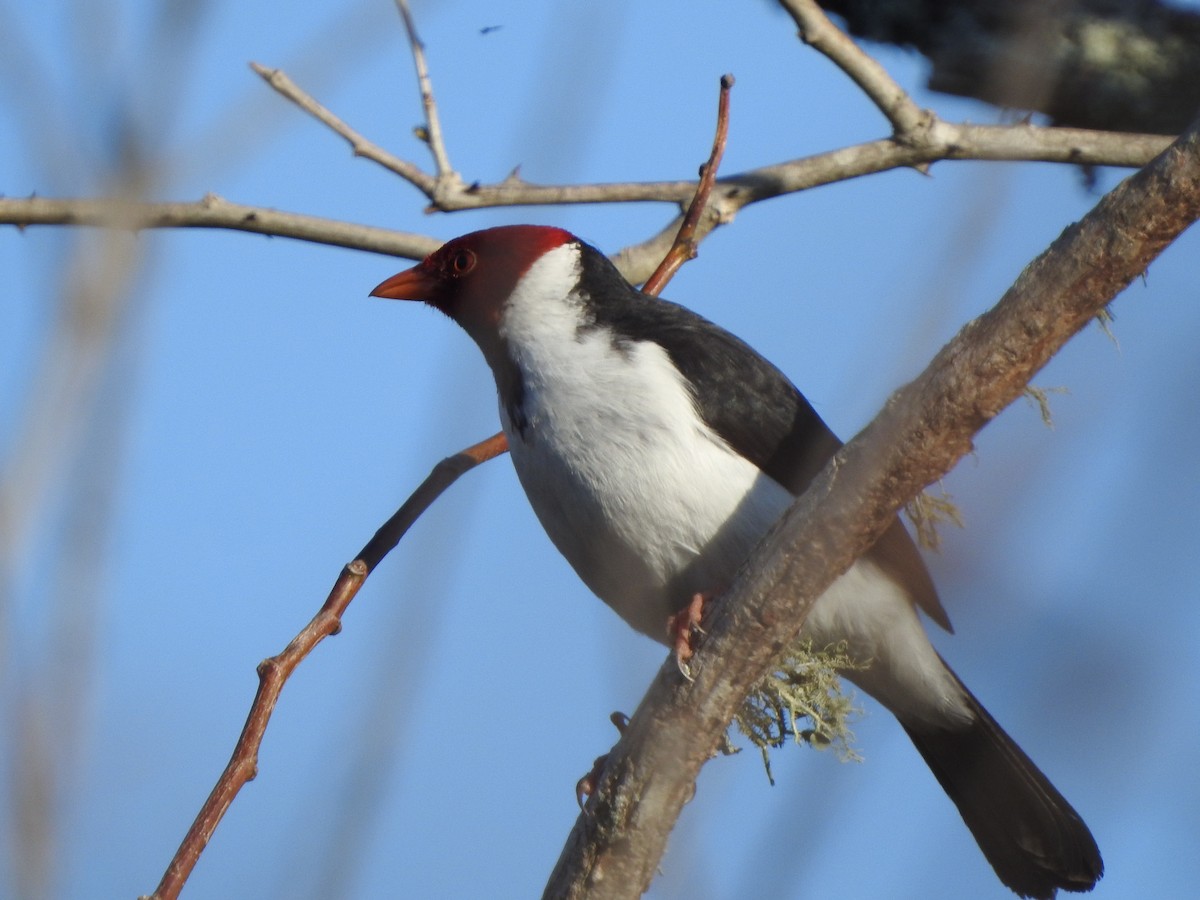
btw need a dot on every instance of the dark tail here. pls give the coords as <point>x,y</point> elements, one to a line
<point>1032,837</point>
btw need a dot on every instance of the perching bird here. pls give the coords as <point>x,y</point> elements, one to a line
<point>657,449</point>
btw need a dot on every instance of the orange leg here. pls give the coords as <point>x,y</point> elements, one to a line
<point>680,627</point>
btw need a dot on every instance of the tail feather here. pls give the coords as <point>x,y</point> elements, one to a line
<point>1029,833</point>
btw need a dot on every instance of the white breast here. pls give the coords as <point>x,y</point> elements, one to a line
<point>650,506</point>
<point>647,504</point>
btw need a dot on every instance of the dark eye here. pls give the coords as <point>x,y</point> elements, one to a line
<point>462,262</point>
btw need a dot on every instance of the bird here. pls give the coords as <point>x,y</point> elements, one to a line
<point>656,449</point>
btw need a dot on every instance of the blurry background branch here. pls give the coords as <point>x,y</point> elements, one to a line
<point>1118,65</point>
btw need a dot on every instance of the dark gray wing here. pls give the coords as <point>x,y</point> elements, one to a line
<point>746,400</point>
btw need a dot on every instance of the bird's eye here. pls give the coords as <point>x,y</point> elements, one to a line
<point>462,262</point>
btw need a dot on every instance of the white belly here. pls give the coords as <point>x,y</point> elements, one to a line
<point>649,506</point>
<point>645,502</point>
<point>682,516</point>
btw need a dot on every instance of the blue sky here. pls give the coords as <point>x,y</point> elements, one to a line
<point>260,416</point>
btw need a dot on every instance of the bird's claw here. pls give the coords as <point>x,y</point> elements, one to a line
<point>679,629</point>
<point>586,786</point>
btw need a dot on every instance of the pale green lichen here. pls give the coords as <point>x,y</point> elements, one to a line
<point>927,511</point>
<point>1105,319</point>
<point>1041,397</point>
<point>802,700</point>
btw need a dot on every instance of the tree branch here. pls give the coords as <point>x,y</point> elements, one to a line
<point>940,141</point>
<point>686,239</point>
<point>274,672</point>
<point>926,426</point>
<point>446,176</point>
<point>212,212</point>
<point>873,79</point>
<point>411,172</point>
<point>1125,65</point>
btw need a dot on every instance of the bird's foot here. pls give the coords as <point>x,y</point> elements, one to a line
<point>680,627</point>
<point>586,786</point>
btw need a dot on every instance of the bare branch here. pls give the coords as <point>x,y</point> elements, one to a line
<point>943,141</point>
<point>446,176</point>
<point>1130,66</point>
<point>618,840</point>
<point>212,212</point>
<point>274,672</point>
<point>686,241</point>
<point>822,35</point>
<point>940,141</point>
<point>410,172</point>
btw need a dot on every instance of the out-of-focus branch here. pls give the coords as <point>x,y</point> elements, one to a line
<point>617,842</point>
<point>1129,65</point>
<point>873,79</point>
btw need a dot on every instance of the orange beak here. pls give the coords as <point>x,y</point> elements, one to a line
<point>411,284</point>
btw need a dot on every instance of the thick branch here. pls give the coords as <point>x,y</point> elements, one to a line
<point>923,430</point>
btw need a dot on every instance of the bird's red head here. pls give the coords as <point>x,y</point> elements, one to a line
<point>470,277</point>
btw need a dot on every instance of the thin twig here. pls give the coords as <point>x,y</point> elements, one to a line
<point>433,126</point>
<point>279,80</point>
<point>1009,143</point>
<point>684,247</point>
<point>822,35</point>
<point>919,139</point>
<point>274,672</point>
